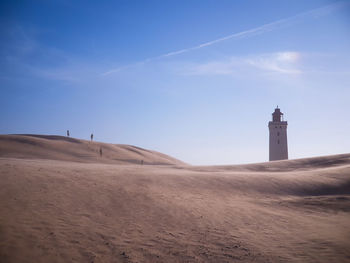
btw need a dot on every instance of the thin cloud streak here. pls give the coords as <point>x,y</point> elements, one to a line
<point>286,62</point>
<point>248,33</point>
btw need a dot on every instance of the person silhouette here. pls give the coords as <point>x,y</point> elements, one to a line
<point>67,133</point>
<point>100,151</point>
<point>92,136</point>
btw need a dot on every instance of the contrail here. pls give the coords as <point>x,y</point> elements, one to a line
<point>251,32</point>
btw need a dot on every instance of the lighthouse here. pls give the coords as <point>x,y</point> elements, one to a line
<point>278,149</point>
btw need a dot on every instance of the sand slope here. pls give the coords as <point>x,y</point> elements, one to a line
<point>70,149</point>
<point>85,211</point>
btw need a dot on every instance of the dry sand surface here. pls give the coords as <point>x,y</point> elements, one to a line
<point>60,201</point>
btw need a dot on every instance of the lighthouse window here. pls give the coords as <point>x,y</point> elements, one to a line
<point>278,133</point>
<point>278,141</point>
<point>275,127</point>
<point>280,126</point>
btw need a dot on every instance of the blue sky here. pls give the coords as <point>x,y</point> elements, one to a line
<point>197,80</point>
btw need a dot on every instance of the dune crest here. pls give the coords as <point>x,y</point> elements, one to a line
<point>62,148</point>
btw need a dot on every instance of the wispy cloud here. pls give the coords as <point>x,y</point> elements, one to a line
<point>286,62</point>
<point>280,62</point>
<point>315,13</point>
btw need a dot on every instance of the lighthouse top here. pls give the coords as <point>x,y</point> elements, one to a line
<point>276,116</point>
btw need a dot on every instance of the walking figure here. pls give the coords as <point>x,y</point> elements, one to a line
<point>92,136</point>
<point>100,151</point>
<point>67,133</point>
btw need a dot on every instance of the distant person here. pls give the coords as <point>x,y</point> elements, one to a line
<point>67,133</point>
<point>92,136</point>
<point>100,151</point>
<point>141,162</point>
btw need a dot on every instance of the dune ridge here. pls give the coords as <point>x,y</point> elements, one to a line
<point>71,149</point>
<point>81,208</point>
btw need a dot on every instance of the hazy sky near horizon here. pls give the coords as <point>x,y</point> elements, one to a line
<point>197,80</point>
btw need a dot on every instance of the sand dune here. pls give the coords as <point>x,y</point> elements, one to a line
<point>70,149</point>
<point>61,202</point>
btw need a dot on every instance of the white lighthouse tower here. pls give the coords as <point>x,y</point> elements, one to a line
<point>278,137</point>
